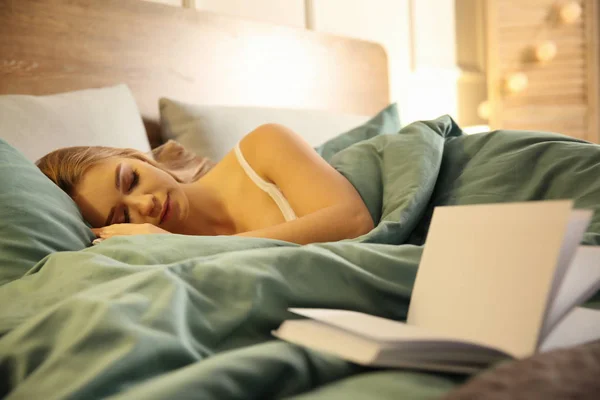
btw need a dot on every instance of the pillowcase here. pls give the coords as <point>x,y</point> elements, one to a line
<point>212,131</point>
<point>37,217</point>
<point>107,116</point>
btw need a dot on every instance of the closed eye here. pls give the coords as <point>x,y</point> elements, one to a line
<point>135,179</point>
<point>130,183</point>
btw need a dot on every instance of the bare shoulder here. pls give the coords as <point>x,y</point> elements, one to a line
<point>270,137</point>
<point>309,183</point>
<point>272,146</point>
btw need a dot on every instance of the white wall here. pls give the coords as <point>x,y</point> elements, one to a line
<point>433,36</point>
<point>430,88</point>
<point>418,35</point>
<point>383,21</point>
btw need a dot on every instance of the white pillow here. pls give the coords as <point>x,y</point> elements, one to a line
<point>211,131</point>
<point>108,116</point>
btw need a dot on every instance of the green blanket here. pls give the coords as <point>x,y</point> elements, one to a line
<point>175,317</point>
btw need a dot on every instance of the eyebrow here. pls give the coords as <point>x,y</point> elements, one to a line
<point>111,214</point>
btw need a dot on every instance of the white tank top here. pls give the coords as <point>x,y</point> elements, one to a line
<point>271,189</point>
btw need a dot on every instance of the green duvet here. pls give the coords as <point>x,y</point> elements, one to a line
<point>178,317</point>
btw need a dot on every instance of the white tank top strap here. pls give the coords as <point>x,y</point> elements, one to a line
<point>271,189</point>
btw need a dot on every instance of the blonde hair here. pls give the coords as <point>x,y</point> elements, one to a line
<point>66,166</point>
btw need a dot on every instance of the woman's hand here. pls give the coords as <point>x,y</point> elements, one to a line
<point>126,229</point>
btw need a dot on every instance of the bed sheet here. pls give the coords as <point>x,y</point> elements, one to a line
<point>169,316</point>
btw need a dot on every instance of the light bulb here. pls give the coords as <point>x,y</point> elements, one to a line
<point>516,82</point>
<point>545,51</point>
<point>569,12</point>
<point>483,110</point>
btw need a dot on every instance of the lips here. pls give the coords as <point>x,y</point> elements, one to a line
<point>165,213</point>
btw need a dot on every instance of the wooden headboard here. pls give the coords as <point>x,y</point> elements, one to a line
<point>51,46</point>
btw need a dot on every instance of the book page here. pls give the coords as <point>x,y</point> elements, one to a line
<point>370,326</point>
<point>487,270</point>
<point>389,333</point>
<point>581,281</point>
<point>575,230</point>
<point>402,353</point>
<point>581,325</point>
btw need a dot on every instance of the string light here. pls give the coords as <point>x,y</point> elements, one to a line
<point>516,82</point>
<point>569,12</point>
<point>483,110</point>
<point>545,51</point>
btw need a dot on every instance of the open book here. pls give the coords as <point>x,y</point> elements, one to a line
<point>495,281</point>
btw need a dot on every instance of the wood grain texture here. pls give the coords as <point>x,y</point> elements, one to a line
<point>592,34</point>
<point>562,95</point>
<point>52,46</point>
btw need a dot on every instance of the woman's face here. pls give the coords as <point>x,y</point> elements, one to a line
<point>124,190</point>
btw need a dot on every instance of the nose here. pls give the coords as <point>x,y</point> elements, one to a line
<point>147,205</point>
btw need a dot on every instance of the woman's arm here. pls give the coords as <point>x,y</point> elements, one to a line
<point>326,225</point>
<point>327,205</point>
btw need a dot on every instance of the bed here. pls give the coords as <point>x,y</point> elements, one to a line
<point>170,316</point>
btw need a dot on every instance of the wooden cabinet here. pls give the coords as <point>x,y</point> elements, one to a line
<point>542,66</point>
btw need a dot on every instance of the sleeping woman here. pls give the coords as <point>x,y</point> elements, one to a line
<point>271,185</point>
